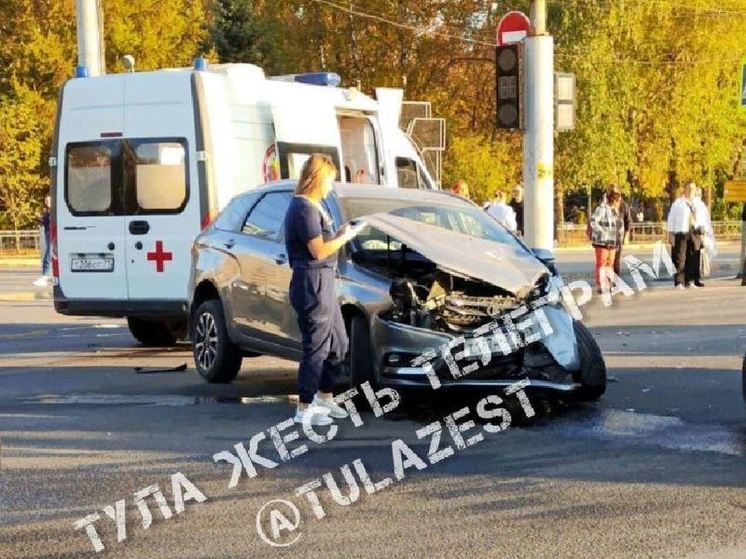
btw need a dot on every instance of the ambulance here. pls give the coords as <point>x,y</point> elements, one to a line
<point>142,161</point>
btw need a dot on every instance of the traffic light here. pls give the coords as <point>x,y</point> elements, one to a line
<point>508,70</point>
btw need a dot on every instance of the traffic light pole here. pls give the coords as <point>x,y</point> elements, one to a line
<point>538,140</point>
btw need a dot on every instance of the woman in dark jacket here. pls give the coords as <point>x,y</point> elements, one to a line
<point>312,248</point>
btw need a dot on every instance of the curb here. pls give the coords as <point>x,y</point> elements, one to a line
<point>25,296</point>
<point>20,263</point>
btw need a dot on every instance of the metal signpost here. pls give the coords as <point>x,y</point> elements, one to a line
<point>538,140</point>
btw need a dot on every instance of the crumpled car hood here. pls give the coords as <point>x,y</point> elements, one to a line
<point>509,268</point>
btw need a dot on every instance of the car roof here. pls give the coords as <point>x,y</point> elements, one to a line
<point>346,190</point>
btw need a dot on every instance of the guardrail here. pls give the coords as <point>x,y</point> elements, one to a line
<point>646,232</point>
<point>13,243</point>
<point>20,242</point>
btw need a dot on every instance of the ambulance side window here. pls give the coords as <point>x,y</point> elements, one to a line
<point>293,156</point>
<point>157,168</point>
<point>89,189</point>
<point>267,217</point>
<point>406,173</point>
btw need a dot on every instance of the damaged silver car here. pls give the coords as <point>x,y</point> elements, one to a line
<point>434,292</point>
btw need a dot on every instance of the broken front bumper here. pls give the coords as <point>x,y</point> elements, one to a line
<point>548,361</point>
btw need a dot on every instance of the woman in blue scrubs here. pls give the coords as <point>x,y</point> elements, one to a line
<point>312,248</point>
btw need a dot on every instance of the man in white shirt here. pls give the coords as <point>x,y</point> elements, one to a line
<point>502,212</point>
<point>680,224</point>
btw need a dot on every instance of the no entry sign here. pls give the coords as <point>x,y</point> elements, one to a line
<point>513,28</point>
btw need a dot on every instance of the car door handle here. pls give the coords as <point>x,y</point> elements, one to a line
<point>230,243</point>
<point>139,227</point>
<point>281,259</point>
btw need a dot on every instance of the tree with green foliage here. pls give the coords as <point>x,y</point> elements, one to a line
<point>236,36</point>
<point>22,139</point>
<point>38,52</point>
<point>657,81</point>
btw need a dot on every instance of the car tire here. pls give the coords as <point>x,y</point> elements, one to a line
<point>592,373</point>
<point>151,333</point>
<point>217,358</point>
<point>361,353</point>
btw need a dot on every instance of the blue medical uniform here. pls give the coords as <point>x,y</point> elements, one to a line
<point>314,298</point>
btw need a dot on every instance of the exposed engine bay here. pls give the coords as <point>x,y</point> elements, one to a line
<point>426,296</point>
<point>441,301</point>
<point>453,283</point>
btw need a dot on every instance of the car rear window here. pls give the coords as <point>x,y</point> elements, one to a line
<point>233,216</point>
<point>266,219</point>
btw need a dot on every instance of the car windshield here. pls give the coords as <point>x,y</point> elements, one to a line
<point>464,218</point>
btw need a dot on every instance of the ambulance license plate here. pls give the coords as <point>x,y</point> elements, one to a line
<point>92,263</point>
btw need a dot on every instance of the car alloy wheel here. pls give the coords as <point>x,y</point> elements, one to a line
<point>206,341</point>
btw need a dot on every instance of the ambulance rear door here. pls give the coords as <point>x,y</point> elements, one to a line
<point>89,192</point>
<point>303,127</point>
<point>163,191</point>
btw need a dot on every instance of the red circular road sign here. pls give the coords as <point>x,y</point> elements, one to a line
<point>513,27</point>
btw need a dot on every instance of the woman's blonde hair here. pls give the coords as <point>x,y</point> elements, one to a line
<point>316,168</point>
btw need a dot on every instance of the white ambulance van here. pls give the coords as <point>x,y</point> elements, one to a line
<point>142,161</point>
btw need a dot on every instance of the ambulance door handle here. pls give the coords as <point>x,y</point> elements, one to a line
<point>230,243</point>
<point>139,227</point>
<point>281,259</point>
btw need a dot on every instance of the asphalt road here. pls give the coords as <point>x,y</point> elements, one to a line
<point>655,469</point>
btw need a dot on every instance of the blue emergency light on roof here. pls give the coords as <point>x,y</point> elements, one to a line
<point>319,78</point>
<point>81,71</point>
<point>200,64</point>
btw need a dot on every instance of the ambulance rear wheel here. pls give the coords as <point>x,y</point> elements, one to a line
<point>217,358</point>
<point>151,333</point>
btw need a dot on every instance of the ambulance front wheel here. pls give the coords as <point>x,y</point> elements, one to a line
<point>151,332</point>
<point>217,358</point>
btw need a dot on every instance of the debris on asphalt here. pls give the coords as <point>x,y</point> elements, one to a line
<point>149,371</point>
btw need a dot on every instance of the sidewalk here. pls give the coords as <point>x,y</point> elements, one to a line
<point>20,262</point>
<point>577,262</point>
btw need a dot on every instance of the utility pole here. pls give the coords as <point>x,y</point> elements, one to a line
<point>538,140</point>
<point>90,30</point>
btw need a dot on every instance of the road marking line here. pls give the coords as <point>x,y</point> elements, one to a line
<point>24,334</point>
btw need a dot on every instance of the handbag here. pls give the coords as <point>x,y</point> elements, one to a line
<point>704,263</point>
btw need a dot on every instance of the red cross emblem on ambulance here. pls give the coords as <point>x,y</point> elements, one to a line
<point>159,256</point>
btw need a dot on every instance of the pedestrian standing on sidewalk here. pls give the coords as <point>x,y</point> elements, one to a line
<point>517,204</point>
<point>703,229</point>
<point>312,246</point>
<point>626,216</point>
<point>680,225</point>
<point>606,233</point>
<point>502,212</point>
<point>45,221</point>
